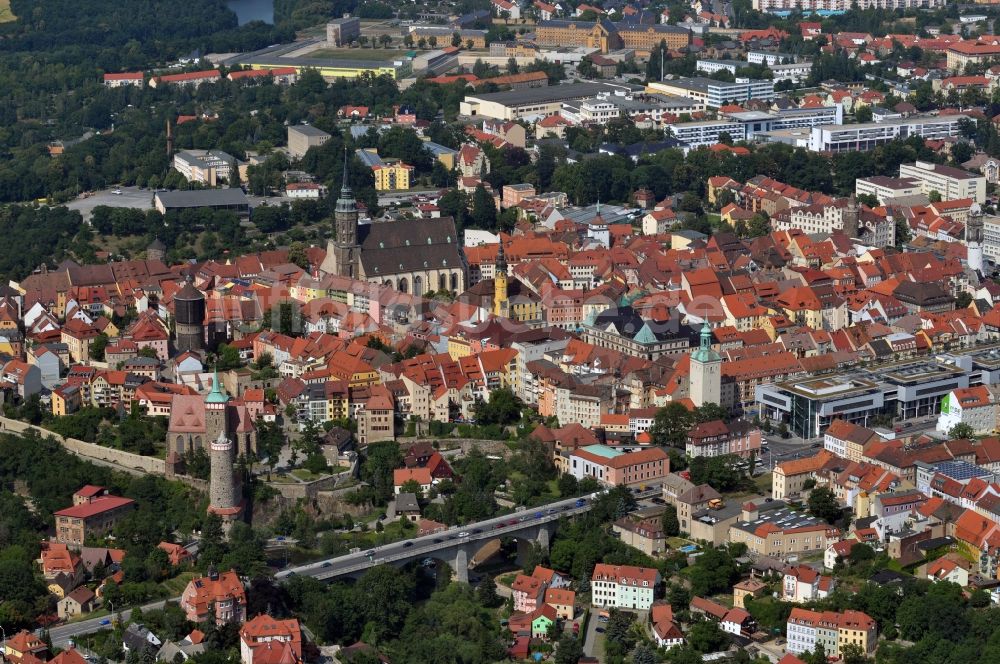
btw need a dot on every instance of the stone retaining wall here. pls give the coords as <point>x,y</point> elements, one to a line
<point>124,460</point>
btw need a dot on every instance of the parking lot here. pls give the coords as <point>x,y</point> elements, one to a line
<point>130,197</point>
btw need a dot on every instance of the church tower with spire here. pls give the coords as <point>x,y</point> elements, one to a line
<point>346,249</point>
<point>501,306</point>
<point>705,379</point>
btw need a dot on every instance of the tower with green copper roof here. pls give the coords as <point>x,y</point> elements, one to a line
<point>705,379</point>
<point>216,413</point>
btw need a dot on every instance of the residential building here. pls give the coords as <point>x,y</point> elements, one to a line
<point>643,534</point>
<point>773,529</point>
<point>717,438</point>
<point>209,167</point>
<point>221,594</point>
<point>94,512</point>
<point>623,586</point>
<point>76,603</point>
<point>267,640</point>
<point>787,7</point>
<point>303,137</point>
<point>968,405</point>
<point>563,601</point>
<point>527,592</point>
<point>136,78</point>
<point>804,584</point>
<point>187,79</point>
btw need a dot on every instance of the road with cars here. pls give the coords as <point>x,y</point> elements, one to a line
<point>419,547</point>
<point>428,546</point>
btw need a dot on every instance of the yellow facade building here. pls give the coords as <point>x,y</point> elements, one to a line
<point>392,176</point>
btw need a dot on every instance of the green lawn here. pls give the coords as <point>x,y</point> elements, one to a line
<point>176,585</point>
<point>305,475</point>
<point>763,483</point>
<point>376,54</point>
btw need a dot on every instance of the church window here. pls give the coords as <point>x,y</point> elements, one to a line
<point>381,245</point>
<point>429,241</point>
<point>448,239</point>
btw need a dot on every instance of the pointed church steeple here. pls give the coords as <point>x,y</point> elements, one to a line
<point>216,395</point>
<point>501,263</point>
<point>346,201</point>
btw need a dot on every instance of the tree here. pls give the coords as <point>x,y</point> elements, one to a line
<point>823,504</point>
<point>934,196</point>
<point>376,469</point>
<point>863,114</point>
<point>714,572</point>
<point>484,211</point>
<point>411,486</point>
<point>568,485</point>
<point>97,347</point>
<point>961,430</point>
<point>963,300</point>
<point>569,650</point>
<point>705,636</point>
<point>671,526</point>
<point>852,653</point>
<point>670,425</point>
<point>487,593</point>
<point>503,408</point>
<point>644,654</point>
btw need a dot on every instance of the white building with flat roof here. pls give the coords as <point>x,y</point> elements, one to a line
<point>885,188</point>
<point>868,135</point>
<point>952,183</point>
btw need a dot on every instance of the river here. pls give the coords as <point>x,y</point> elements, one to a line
<point>252,10</point>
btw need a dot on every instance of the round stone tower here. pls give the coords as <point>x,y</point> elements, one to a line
<point>189,317</point>
<point>222,487</point>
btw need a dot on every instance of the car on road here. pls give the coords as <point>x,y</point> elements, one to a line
<point>327,563</point>
<point>463,534</point>
<point>580,502</point>
<point>407,543</point>
<point>513,522</point>
<point>538,515</point>
<point>106,621</point>
<point>438,540</point>
<point>565,507</point>
<point>476,531</point>
<point>551,510</point>
<point>523,518</point>
<point>499,526</point>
